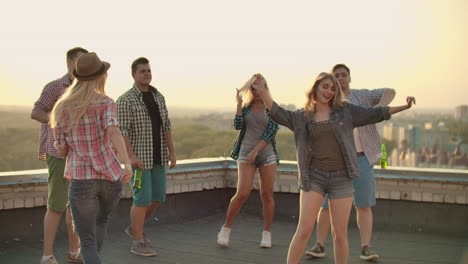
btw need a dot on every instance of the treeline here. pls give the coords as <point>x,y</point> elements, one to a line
<point>19,144</point>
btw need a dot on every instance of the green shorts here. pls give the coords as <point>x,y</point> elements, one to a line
<point>153,186</point>
<point>57,198</point>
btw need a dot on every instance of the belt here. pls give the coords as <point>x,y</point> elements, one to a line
<point>360,154</point>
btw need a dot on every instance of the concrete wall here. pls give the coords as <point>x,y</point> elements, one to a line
<point>28,189</point>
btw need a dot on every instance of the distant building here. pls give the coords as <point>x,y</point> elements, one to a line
<point>461,112</point>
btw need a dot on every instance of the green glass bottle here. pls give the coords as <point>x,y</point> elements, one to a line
<point>383,157</point>
<point>137,180</point>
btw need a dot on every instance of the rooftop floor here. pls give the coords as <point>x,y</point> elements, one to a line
<point>194,241</point>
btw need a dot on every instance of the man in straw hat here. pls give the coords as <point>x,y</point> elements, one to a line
<point>144,121</point>
<point>57,199</point>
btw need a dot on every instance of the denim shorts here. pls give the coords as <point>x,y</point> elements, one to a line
<point>336,183</point>
<point>364,186</point>
<point>264,158</point>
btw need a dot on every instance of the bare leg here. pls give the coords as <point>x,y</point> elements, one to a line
<point>267,181</point>
<point>339,216</point>
<point>150,209</point>
<point>364,221</point>
<point>310,203</point>
<point>246,173</point>
<point>137,219</point>
<point>73,240</point>
<point>51,223</point>
<point>323,225</point>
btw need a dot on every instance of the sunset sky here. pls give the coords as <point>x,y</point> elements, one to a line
<point>200,51</point>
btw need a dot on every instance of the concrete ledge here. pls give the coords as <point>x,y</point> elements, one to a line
<point>27,189</point>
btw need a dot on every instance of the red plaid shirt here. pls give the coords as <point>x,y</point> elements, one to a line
<point>49,96</point>
<point>90,153</point>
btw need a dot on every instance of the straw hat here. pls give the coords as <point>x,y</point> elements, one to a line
<point>88,66</point>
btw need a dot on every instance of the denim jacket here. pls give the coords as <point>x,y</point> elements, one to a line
<point>343,122</point>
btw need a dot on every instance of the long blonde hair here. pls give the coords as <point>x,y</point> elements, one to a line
<point>246,91</point>
<point>76,101</point>
<point>311,94</point>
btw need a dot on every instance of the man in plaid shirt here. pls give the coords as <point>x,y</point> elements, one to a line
<point>57,199</point>
<point>367,142</point>
<point>145,125</point>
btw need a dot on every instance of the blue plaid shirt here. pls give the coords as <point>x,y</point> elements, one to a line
<point>268,136</point>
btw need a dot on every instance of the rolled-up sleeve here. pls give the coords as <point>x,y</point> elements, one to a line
<point>110,115</point>
<point>49,96</point>
<point>124,116</point>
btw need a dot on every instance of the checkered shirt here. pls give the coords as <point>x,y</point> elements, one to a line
<point>268,136</point>
<point>49,96</point>
<point>135,123</point>
<point>90,153</point>
<point>369,136</point>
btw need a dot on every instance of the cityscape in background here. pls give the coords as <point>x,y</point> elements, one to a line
<point>420,138</point>
<point>435,140</point>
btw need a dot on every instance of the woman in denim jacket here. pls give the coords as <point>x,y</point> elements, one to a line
<point>326,155</point>
<point>254,148</point>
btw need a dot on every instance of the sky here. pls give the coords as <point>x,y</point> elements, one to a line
<point>200,51</point>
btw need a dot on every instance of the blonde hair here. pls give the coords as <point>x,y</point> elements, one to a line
<point>76,101</point>
<point>336,102</point>
<point>246,91</point>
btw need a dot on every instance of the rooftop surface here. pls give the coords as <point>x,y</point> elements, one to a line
<point>194,241</point>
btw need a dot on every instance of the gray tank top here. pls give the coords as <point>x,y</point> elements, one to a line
<point>255,126</point>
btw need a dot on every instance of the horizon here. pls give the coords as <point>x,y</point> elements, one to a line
<point>201,51</point>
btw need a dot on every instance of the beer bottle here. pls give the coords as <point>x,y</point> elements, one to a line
<point>137,180</point>
<point>383,157</point>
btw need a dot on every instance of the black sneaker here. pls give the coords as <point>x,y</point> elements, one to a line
<point>366,254</point>
<point>317,251</point>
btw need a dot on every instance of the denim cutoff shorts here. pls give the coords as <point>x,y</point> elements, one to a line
<point>336,183</point>
<point>264,158</point>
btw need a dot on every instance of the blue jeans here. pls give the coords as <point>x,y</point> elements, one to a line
<point>91,202</point>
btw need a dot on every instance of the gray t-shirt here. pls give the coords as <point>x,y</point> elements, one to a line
<point>255,126</point>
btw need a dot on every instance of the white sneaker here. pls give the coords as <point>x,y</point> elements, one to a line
<point>50,260</point>
<point>266,239</point>
<point>223,236</point>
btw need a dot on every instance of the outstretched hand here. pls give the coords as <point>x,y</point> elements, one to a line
<point>410,100</point>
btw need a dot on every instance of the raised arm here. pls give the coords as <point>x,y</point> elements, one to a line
<point>410,100</point>
<point>370,115</point>
<point>278,114</point>
<point>239,118</point>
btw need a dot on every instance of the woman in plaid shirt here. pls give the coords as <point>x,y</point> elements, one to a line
<point>254,148</point>
<point>86,132</point>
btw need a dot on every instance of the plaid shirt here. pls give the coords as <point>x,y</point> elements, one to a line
<point>135,123</point>
<point>268,136</point>
<point>90,153</point>
<point>369,136</point>
<point>49,96</point>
